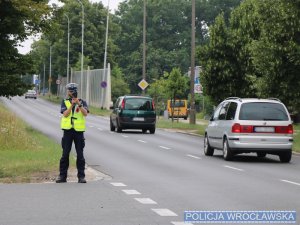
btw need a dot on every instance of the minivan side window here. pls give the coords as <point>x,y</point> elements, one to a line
<point>216,113</point>
<point>231,111</point>
<point>223,111</point>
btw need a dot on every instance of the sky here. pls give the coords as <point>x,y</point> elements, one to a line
<point>26,45</point>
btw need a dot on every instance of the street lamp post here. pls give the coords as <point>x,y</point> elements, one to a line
<point>192,111</point>
<point>106,37</point>
<point>68,60</point>
<point>144,43</point>
<point>82,36</point>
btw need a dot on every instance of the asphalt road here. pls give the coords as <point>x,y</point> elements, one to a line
<point>154,178</point>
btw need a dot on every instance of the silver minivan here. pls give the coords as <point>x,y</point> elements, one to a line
<point>240,125</point>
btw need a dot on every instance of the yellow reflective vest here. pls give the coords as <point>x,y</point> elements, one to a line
<point>77,117</point>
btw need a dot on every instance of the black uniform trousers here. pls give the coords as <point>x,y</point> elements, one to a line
<point>66,143</point>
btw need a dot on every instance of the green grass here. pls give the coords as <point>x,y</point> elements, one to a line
<point>51,98</point>
<point>25,152</point>
<point>167,124</point>
<point>296,144</point>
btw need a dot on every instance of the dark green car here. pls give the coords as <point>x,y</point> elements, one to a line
<point>133,112</point>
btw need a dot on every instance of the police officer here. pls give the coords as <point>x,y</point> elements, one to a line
<point>74,111</point>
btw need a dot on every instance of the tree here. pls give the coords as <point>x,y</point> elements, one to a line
<point>157,91</point>
<point>175,86</point>
<point>260,56</point>
<point>168,34</point>
<point>118,86</point>
<point>94,38</point>
<point>18,20</point>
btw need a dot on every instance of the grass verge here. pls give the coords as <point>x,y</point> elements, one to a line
<point>181,126</point>
<point>296,144</point>
<point>25,153</point>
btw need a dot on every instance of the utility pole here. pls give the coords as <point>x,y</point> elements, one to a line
<point>50,76</point>
<point>106,37</point>
<point>82,37</point>
<point>68,60</point>
<point>144,43</point>
<point>44,80</point>
<point>192,103</point>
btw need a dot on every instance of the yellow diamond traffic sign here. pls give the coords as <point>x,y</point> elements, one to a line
<point>143,84</point>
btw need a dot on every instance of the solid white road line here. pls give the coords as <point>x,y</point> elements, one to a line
<point>131,192</point>
<point>181,223</point>
<point>146,201</point>
<point>192,156</point>
<point>118,184</point>
<point>164,212</point>
<point>290,182</point>
<point>233,168</point>
<point>164,147</point>
<point>142,141</point>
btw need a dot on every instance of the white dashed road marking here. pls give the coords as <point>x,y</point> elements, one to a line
<point>142,141</point>
<point>164,212</point>
<point>164,147</point>
<point>131,192</point>
<point>118,184</point>
<point>192,156</point>
<point>290,182</point>
<point>146,201</point>
<point>124,136</point>
<point>100,129</point>
<point>233,168</point>
<point>181,223</point>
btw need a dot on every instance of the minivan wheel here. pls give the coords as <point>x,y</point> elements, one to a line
<point>112,127</point>
<point>144,131</point>
<point>152,130</point>
<point>261,154</point>
<point>286,156</point>
<point>208,150</point>
<point>227,152</point>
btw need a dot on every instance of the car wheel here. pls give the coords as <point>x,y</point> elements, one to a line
<point>286,156</point>
<point>208,150</point>
<point>144,131</point>
<point>227,152</point>
<point>261,154</point>
<point>112,127</point>
<point>152,130</point>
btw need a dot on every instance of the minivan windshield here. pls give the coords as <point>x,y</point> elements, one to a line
<point>138,104</point>
<point>263,111</point>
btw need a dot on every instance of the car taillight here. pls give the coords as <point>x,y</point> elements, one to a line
<point>284,129</point>
<point>123,104</point>
<point>237,128</point>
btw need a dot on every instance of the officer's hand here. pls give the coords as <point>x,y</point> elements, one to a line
<point>74,101</point>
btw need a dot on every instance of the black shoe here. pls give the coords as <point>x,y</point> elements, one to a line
<point>81,180</point>
<point>61,179</point>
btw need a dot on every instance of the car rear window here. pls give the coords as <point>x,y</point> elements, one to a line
<point>177,104</point>
<point>138,104</point>
<point>263,111</point>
